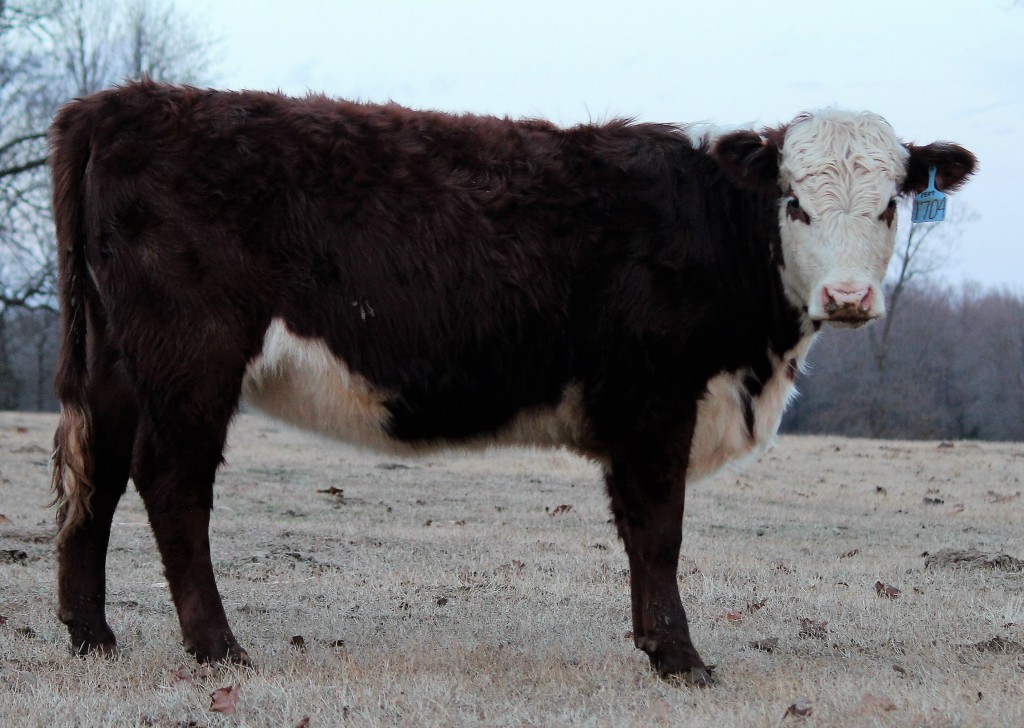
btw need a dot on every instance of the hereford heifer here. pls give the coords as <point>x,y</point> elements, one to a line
<point>406,280</point>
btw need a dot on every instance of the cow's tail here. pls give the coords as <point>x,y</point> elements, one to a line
<point>72,455</point>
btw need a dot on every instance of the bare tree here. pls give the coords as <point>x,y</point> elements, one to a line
<point>103,42</point>
<point>921,251</point>
<point>955,370</point>
<point>50,51</point>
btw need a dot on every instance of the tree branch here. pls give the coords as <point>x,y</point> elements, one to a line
<point>26,167</point>
<point>35,136</point>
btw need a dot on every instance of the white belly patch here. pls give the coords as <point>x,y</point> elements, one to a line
<point>301,381</point>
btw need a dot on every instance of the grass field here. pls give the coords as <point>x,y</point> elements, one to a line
<point>490,589</point>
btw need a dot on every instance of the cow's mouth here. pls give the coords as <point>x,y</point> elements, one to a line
<point>846,319</point>
<point>848,322</point>
<point>847,316</point>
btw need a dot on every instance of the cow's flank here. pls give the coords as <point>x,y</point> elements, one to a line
<point>406,280</point>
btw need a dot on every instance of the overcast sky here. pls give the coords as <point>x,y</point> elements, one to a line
<point>936,69</point>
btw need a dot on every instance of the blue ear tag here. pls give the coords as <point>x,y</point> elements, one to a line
<point>930,205</point>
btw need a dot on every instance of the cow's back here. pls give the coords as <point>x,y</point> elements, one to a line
<point>445,264</point>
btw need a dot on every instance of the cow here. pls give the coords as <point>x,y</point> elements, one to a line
<point>406,280</point>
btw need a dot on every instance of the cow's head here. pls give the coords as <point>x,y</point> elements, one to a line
<point>840,175</point>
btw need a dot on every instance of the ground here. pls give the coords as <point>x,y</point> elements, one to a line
<point>489,588</point>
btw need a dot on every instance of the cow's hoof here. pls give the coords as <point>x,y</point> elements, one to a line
<point>105,648</point>
<point>99,641</point>
<point>231,654</point>
<point>239,657</point>
<point>696,677</point>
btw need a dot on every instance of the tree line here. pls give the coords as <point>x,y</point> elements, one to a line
<point>954,369</point>
<point>948,362</point>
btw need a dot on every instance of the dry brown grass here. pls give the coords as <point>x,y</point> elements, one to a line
<point>461,599</point>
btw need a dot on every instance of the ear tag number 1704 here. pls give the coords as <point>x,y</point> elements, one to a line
<point>929,205</point>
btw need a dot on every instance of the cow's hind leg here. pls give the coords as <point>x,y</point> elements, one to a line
<point>82,548</point>
<point>647,497</point>
<point>174,468</point>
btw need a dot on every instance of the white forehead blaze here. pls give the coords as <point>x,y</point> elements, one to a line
<point>843,168</point>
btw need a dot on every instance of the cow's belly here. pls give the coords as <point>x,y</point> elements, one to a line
<point>733,424</point>
<point>299,380</point>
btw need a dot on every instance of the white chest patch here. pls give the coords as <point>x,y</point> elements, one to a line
<point>722,433</point>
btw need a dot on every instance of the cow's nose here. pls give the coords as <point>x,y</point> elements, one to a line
<point>837,296</point>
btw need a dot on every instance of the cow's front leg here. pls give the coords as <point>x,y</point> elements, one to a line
<point>647,503</point>
<point>175,480</point>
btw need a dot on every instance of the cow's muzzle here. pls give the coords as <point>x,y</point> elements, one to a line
<point>847,305</point>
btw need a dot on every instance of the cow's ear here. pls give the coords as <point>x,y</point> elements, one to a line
<point>749,159</point>
<point>953,165</point>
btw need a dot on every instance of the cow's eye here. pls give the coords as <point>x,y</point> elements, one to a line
<point>889,214</point>
<point>795,212</point>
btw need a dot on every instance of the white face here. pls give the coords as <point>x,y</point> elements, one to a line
<point>840,173</point>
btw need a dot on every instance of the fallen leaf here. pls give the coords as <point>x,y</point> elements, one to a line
<point>781,565</point>
<point>733,616</point>
<point>996,497</point>
<point>887,591</point>
<point>298,642</point>
<point>304,723</point>
<point>4,519</point>
<point>756,606</point>
<point>224,700</point>
<point>848,554</point>
<point>3,620</point>
<point>182,673</point>
<point>765,645</point>
<point>561,510</point>
<point>900,669</point>
<point>460,523</point>
<point>945,446</point>
<point>337,492</point>
<point>818,629</point>
<point>871,703</point>
<point>800,707</point>
<point>958,508</point>
<point>21,430</point>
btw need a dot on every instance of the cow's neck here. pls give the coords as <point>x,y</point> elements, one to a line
<point>741,410</point>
